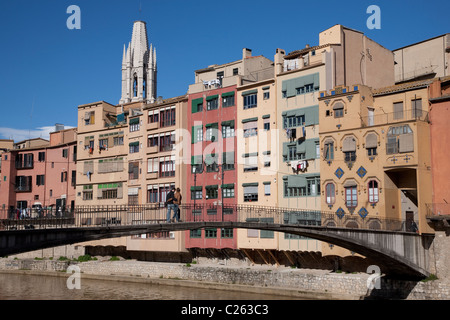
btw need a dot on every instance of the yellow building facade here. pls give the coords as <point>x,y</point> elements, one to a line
<point>375,157</point>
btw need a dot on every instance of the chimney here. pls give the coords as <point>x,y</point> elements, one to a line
<point>246,53</point>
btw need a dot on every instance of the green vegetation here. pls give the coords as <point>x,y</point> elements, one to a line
<point>431,277</point>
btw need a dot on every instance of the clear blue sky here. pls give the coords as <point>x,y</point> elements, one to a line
<point>48,70</point>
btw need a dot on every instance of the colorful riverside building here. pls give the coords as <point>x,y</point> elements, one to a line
<point>440,138</point>
<point>375,155</point>
<point>342,56</point>
<point>40,173</point>
<point>212,122</point>
<point>127,152</point>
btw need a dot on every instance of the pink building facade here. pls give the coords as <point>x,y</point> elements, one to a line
<point>40,177</point>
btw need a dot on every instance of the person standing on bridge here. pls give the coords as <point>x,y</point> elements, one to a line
<point>177,203</point>
<point>170,203</point>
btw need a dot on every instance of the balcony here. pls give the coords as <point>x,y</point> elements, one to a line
<point>394,117</point>
<point>153,149</point>
<point>153,126</point>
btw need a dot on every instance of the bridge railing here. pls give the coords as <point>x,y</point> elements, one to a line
<point>114,215</point>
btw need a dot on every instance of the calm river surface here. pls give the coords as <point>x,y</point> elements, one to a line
<point>37,287</point>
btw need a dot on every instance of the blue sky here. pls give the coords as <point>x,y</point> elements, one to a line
<point>47,70</point>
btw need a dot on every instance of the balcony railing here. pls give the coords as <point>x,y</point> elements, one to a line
<point>394,117</point>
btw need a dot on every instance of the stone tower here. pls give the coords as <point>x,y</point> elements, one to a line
<point>138,67</point>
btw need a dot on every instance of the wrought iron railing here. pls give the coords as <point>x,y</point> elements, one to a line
<point>125,215</point>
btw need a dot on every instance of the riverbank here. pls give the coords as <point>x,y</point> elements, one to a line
<point>283,281</point>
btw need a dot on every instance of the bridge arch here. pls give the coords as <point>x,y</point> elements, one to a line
<point>397,253</point>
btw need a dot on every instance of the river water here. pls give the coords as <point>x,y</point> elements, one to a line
<point>38,287</point>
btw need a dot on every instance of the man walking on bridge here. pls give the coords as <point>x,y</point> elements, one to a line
<point>170,203</point>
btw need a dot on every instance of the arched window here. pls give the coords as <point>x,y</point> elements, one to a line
<point>373,191</point>
<point>330,193</point>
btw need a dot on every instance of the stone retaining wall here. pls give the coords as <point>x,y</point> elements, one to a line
<point>300,282</point>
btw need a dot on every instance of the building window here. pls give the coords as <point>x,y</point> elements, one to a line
<point>65,153</point>
<point>134,147</point>
<point>134,125</point>
<point>351,197</point>
<point>416,106</point>
<point>41,156</point>
<point>349,149</point>
<point>228,129</point>
<point>197,193</point>
<point>133,170</point>
<point>226,233</point>
<point>228,101</point>
<point>40,180</point>
<point>373,191</point>
<point>330,193</point>
<point>266,95</point>
<point>211,133</point>
<point>87,192</point>
<point>338,109</point>
<point>197,105</point>
<point>167,141</point>
<point>250,101</point>
<point>328,150</point>
<point>250,127</point>
<point>210,233</point>
<point>293,121</point>
<point>267,189</point>
<point>153,116</point>
<point>64,176</point>
<point>109,194</point>
<point>167,166</point>
<point>251,193</point>
<point>228,191</point>
<point>118,141</point>
<point>398,110</point>
<point>228,161</point>
<point>212,104</point>
<point>195,233</point>
<point>89,118</point>
<point>400,139</point>
<point>212,192</point>
<point>167,117</point>
<point>103,144</point>
<point>371,144</point>
<point>313,186</point>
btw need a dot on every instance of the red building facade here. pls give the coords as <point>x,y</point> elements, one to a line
<point>212,177</point>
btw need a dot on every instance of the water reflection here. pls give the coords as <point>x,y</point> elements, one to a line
<point>37,287</point>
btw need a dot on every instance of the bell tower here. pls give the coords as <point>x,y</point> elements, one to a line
<point>138,67</point>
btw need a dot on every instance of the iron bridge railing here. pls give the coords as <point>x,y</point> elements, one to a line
<point>125,215</point>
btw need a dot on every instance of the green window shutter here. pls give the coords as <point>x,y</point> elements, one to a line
<point>296,181</point>
<point>195,103</point>
<point>266,234</point>
<point>196,159</point>
<point>134,121</point>
<point>251,184</point>
<point>228,94</point>
<point>194,133</point>
<point>310,147</point>
<point>212,97</point>
<point>250,120</point>
<point>246,93</point>
<point>196,188</point>
<point>228,157</point>
<point>311,115</point>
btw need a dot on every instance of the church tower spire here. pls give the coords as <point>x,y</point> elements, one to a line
<point>138,67</point>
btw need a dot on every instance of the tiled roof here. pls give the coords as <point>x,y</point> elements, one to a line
<point>297,53</point>
<point>403,87</point>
